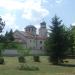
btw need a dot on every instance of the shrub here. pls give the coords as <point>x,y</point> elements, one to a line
<point>21,59</point>
<point>66,61</point>
<point>36,58</point>
<point>1,60</point>
<point>28,68</point>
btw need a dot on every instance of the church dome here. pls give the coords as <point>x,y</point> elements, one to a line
<point>30,26</point>
<point>31,29</point>
<point>43,23</point>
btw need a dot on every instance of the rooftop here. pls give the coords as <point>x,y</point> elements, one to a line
<point>30,26</point>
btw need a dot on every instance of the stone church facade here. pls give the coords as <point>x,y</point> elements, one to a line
<point>30,39</point>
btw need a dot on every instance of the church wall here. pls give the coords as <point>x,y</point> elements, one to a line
<point>40,44</point>
<point>43,32</point>
<point>31,43</point>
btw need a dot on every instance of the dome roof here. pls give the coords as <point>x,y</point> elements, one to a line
<point>43,23</point>
<point>30,26</point>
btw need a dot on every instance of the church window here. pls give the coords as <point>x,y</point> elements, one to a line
<point>30,40</point>
<point>40,42</point>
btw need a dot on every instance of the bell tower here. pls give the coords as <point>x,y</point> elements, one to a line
<point>43,29</point>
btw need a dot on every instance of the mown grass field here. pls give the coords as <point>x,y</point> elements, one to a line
<point>45,68</point>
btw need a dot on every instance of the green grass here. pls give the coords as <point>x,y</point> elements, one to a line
<point>45,68</point>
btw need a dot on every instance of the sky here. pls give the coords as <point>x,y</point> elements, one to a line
<point>17,14</point>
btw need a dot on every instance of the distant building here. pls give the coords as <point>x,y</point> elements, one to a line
<point>30,39</point>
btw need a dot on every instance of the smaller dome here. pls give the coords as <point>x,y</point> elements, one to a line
<point>43,23</point>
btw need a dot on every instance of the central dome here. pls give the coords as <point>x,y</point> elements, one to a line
<point>31,29</point>
<point>30,26</point>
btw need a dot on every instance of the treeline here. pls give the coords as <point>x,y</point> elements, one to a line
<point>8,37</point>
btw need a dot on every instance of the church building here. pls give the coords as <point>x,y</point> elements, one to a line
<point>30,39</point>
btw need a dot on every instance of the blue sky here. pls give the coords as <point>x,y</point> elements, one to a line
<point>19,13</point>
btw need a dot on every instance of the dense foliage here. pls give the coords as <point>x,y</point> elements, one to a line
<point>36,58</point>
<point>2,25</point>
<point>58,43</point>
<point>72,40</point>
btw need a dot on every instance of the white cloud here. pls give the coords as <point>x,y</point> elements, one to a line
<point>45,1</point>
<point>28,6</point>
<point>37,26</point>
<point>34,6</point>
<point>10,21</point>
<point>11,4</point>
<point>73,24</point>
<point>32,10</point>
<point>59,1</point>
<point>27,14</point>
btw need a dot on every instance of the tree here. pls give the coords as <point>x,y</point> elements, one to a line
<point>2,38</point>
<point>72,40</point>
<point>2,25</point>
<point>9,40</point>
<point>9,36</point>
<point>57,43</point>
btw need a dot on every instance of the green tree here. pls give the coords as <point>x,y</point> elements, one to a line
<point>9,36</point>
<point>72,40</point>
<point>9,40</point>
<point>2,25</point>
<point>57,43</point>
<point>2,38</point>
<point>6,37</point>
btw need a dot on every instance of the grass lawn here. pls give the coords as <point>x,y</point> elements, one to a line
<point>45,68</point>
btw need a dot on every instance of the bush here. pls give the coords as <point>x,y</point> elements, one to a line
<point>28,68</point>
<point>66,61</point>
<point>1,60</point>
<point>36,58</point>
<point>21,59</point>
